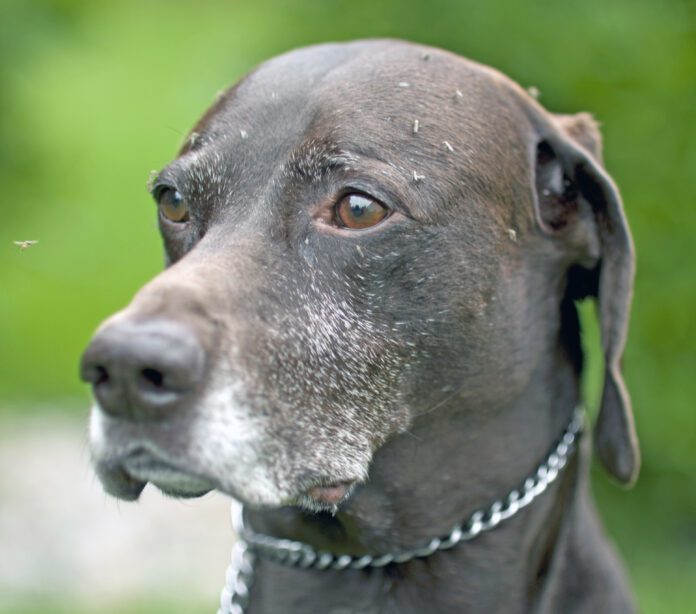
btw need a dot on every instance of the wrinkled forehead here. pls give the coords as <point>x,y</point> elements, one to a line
<point>425,112</point>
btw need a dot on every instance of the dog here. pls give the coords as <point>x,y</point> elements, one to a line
<point>366,331</point>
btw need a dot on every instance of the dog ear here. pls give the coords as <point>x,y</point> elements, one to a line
<point>579,204</point>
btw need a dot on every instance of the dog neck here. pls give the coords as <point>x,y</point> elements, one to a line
<point>413,496</point>
<point>425,481</point>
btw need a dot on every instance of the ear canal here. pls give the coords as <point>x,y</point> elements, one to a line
<point>615,436</point>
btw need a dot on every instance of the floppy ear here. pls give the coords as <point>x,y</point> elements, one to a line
<point>580,205</point>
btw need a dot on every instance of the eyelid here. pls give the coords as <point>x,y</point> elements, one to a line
<point>166,178</point>
<point>350,191</point>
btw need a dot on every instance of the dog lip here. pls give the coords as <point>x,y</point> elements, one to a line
<point>332,493</point>
<point>117,482</point>
<point>143,467</point>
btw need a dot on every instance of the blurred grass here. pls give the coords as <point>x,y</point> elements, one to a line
<point>95,95</point>
<point>60,605</point>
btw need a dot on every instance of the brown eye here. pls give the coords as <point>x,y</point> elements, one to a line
<point>356,212</point>
<point>172,205</point>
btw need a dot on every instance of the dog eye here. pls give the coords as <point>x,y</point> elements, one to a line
<point>356,211</point>
<point>172,205</point>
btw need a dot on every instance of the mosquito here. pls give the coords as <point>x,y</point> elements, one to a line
<point>25,244</point>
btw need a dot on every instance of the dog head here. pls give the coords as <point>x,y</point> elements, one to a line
<point>353,233</point>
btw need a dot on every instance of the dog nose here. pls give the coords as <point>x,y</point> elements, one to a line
<point>139,367</point>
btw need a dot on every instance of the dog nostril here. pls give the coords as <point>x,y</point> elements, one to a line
<point>95,374</point>
<point>153,377</point>
<point>101,375</point>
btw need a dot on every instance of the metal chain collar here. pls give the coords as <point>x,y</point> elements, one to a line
<point>240,573</point>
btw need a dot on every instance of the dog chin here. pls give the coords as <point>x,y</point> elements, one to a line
<point>325,497</point>
<point>313,506</point>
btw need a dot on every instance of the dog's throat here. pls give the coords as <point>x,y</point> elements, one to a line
<point>250,544</point>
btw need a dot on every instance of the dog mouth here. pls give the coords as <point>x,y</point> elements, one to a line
<point>127,478</point>
<point>143,467</point>
<point>125,460</point>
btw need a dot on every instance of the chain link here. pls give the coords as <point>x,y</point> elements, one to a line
<point>239,579</point>
<point>240,574</point>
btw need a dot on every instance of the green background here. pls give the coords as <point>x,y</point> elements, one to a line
<point>93,95</point>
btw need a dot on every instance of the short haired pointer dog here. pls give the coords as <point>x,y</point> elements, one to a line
<point>367,331</point>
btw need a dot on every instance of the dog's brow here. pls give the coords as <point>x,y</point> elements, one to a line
<point>168,175</point>
<point>313,160</point>
<point>200,170</point>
